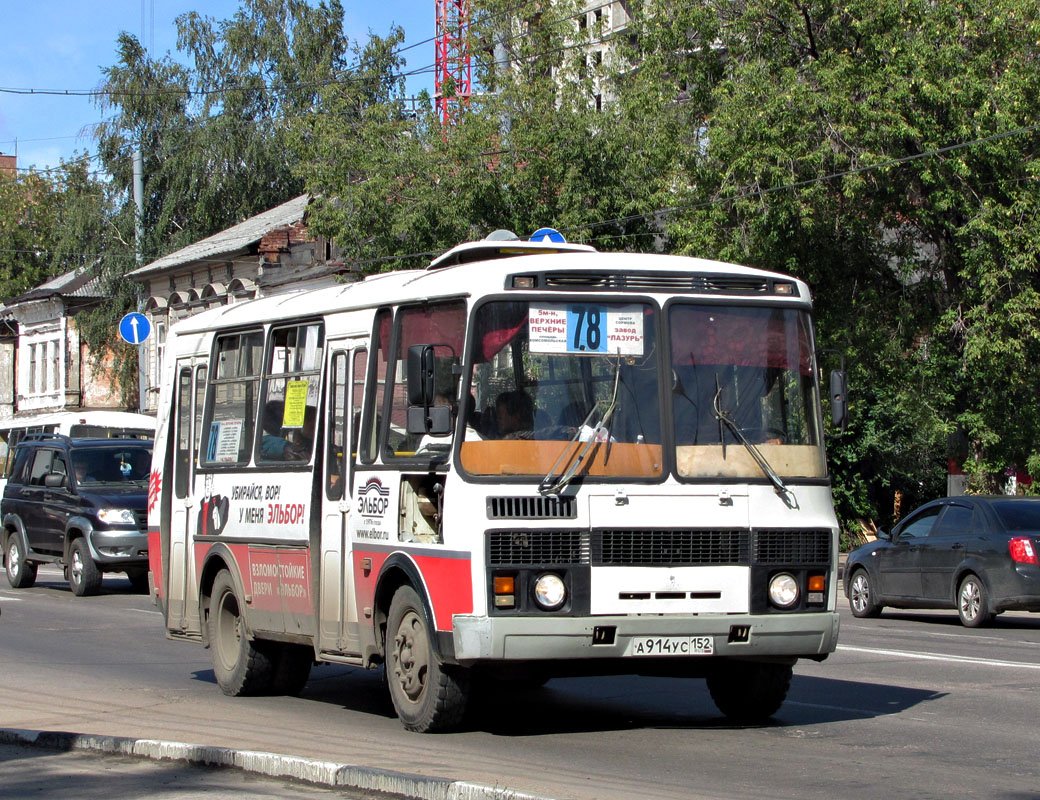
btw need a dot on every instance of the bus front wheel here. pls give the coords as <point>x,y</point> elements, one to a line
<point>749,691</point>
<point>427,694</point>
<point>239,665</point>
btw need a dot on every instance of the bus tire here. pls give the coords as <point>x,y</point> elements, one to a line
<point>83,575</point>
<point>138,580</point>
<point>292,667</point>
<point>241,667</point>
<point>21,574</point>
<point>427,694</point>
<point>749,691</point>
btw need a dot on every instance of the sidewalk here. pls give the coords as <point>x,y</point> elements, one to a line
<point>55,756</point>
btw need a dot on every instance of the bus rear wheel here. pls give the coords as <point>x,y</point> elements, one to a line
<point>749,691</point>
<point>239,665</point>
<point>427,694</point>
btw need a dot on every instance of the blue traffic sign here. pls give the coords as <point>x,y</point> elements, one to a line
<point>548,235</point>
<point>134,328</point>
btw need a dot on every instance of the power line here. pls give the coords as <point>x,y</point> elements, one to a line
<point>203,92</point>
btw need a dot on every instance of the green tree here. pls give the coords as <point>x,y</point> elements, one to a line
<point>213,133</point>
<point>830,154</point>
<point>527,150</point>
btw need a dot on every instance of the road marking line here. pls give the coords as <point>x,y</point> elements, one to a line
<point>988,662</point>
<point>916,632</point>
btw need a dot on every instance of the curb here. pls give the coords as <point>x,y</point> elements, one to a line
<point>273,765</point>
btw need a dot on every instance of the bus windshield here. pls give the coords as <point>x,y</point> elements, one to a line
<point>556,383</point>
<point>743,379</point>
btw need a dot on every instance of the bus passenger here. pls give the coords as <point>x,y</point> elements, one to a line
<point>514,413</point>
<point>272,446</point>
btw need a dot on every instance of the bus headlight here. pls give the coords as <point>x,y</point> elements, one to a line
<point>783,590</point>
<point>550,591</point>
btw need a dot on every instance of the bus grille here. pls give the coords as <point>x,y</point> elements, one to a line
<point>531,508</point>
<point>649,282</point>
<point>522,548</point>
<point>792,547</point>
<point>670,547</point>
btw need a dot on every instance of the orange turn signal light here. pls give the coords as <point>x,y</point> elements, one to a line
<point>505,585</point>
<point>817,583</point>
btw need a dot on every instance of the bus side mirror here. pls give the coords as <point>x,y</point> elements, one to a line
<point>839,399</point>
<point>421,380</point>
<point>420,376</point>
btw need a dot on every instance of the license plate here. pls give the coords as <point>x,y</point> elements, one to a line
<point>672,646</point>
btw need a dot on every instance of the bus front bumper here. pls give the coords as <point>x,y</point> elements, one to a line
<point>481,638</point>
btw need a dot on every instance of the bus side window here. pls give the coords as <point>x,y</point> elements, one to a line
<point>357,402</point>
<point>289,406</point>
<point>335,450</point>
<point>375,386</point>
<point>182,455</point>
<point>231,405</point>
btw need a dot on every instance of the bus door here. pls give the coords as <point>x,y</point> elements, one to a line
<point>348,361</point>
<point>190,396</point>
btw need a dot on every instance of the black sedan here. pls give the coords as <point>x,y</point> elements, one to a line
<point>978,555</point>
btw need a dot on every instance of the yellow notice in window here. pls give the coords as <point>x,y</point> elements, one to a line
<point>295,404</point>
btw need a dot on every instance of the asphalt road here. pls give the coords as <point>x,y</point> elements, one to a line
<point>911,705</point>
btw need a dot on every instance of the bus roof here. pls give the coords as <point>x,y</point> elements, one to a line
<point>572,267</point>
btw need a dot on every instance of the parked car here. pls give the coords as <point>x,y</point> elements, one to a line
<point>79,503</point>
<point>975,554</point>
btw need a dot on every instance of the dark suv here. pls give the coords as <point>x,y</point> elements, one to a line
<point>81,503</point>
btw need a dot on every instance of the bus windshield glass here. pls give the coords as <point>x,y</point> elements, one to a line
<point>743,379</point>
<point>563,386</point>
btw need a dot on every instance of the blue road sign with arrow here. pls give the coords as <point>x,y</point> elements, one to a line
<point>134,328</point>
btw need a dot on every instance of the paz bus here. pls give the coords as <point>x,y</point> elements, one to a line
<point>530,459</point>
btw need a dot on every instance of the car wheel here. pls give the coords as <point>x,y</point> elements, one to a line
<point>427,694</point>
<point>861,595</point>
<point>21,574</point>
<point>749,691</point>
<point>241,666</point>
<point>84,576</point>
<point>972,603</point>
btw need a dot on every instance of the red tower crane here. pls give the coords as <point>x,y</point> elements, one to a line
<point>453,81</point>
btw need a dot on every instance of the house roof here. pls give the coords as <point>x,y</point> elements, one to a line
<point>230,240</point>
<point>83,283</point>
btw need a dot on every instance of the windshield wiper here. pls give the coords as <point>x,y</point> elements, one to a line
<point>550,485</point>
<point>726,418</point>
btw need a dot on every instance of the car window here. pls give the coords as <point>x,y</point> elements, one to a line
<point>41,465</point>
<point>1018,515</point>
<point>920,524</point>
<point>956,520</point>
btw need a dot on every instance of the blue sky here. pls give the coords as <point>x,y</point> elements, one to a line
<point>64,44</point>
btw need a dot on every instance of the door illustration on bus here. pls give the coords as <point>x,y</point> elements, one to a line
<point>348,361</point>
<point>190,393</point>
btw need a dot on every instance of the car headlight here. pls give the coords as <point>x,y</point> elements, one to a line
<point>116,516</point>
<point>550,591</point>
<point>783,590</point>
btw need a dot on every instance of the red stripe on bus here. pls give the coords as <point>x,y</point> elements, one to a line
<point>447,580</point>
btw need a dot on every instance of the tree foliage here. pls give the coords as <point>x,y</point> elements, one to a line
<point>886,153</point>
<point>883,151</point>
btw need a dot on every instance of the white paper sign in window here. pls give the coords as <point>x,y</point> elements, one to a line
<point>585,329</point>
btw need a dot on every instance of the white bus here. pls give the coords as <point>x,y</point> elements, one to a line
<point>90,424</point>
<point>527,460</point>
